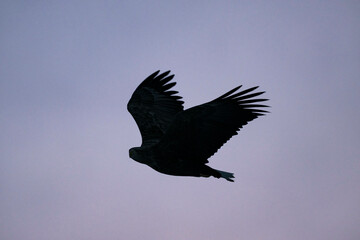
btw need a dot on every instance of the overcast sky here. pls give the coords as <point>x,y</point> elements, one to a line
<point>68,69</point>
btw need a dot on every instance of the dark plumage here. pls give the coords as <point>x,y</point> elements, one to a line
<point>178,142</point>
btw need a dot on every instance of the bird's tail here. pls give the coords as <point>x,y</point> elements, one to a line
<point>207,171</point>
<point>228,176</point>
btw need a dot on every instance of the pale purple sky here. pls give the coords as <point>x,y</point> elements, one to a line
<point>68,68</point>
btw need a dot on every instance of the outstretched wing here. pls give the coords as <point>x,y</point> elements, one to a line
<point>200,131</point>
<point>153,107</point>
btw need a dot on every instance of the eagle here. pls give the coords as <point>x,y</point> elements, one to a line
<point>179,142</point>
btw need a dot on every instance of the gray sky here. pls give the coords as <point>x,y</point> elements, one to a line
<point>68,68</point>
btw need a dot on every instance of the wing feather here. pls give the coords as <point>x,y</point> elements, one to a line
<point>153,107</point>
<point>198,132</point>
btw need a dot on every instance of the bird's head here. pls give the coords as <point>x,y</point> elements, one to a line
<point>136,154</point>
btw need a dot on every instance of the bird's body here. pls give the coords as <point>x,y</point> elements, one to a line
<point>178,142</point>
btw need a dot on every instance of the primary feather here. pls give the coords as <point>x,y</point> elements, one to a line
<point>178,142</point>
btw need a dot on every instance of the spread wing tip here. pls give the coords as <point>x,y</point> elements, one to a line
<point>245,100</point>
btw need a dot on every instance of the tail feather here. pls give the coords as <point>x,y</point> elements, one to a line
<point>228,176</point>
<point>207,171</point>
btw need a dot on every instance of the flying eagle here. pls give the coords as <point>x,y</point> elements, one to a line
<point>178,142</point>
